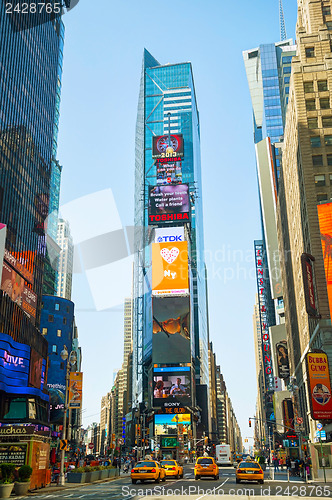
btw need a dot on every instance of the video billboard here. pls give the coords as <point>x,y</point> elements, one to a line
<point>13,284</point>
<point>172,386</point>
<point>167,146</point>
<point>168,424</point>
<point>168,204</point>
<point>15,376</point>
<point>325,225</point>
<point>169,234</point>
<point>169,173</point>
<point>171,330</point>
<point>319,386</point>
<point>170,268</point>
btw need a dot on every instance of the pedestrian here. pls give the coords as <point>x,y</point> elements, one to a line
<point>307,467</point>
<point>276,464</point>
<point>281,463</point>
<point>288,463</point>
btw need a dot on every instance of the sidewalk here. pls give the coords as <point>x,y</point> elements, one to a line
<point>282,475</point>
<point>53,488</point>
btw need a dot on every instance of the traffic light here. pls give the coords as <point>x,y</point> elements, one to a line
<point>249,422</point>
<point>206,440</point>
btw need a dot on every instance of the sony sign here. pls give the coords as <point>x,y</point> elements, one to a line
<point>169,234</point>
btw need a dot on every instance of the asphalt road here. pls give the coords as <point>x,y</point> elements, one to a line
<point>207,488</point>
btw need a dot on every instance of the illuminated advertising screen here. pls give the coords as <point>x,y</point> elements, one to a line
<point>319,386</point>
<point>167,146</point>
<point>168,204</point>
<point>15,375</point>
<point>171,330</point>
<point>288,413</point>
<point>170,268</point>
<point>169,173</point>
<point>169,442</point>
<point>13,284</point>
<point>325,225</point>
<point>36,369</point>
<point>171,386</point>
<point>169,234</point>
<point>168,424</point>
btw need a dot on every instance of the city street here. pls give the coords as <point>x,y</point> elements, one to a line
<point>226,485</point>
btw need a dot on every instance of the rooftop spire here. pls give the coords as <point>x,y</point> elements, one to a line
<point>283,34</point>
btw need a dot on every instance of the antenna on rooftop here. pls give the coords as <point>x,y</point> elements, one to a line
<point>283,34</point>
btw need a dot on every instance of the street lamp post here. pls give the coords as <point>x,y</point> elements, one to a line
<point>72,359</point>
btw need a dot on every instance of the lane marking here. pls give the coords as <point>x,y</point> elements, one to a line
<point>215,489</point>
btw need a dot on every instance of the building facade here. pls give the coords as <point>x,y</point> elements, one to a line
<point>66,260</point>
<point>168,114</point>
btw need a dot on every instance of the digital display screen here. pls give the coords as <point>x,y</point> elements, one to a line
<point>171,388</point>
<point>167,146</point>
<point>169,203</point>
<point>167,424</point>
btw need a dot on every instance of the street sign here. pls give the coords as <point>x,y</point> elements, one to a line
<point>91,446</point>
<point>299,420</point>
<point>319,426</point>
<point>63,444</point>
<point>321,434</point>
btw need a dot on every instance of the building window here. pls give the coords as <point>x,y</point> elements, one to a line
<point>324,103</point>
<point>326,10</point>
<point>54,348</point>
<point>312,123</point>
<point>320,180</point>
<point>44,331</point>
<point>308,86</point>
<point>328,140</point>
<point>50,318</point>
<point>310,104</point>
<point>310,51</point>
<point>329,160</point>
<point>321,197</point>
<point>57,307</point>
<point>322,85</point>
<point>286,79</point>
<point>317,160</point>
<point>253,54</point>
<point>331,179</point>
<point>58,333</point>
<point>329,25</point>
<point>327,121</point>
<point>68,309</point>
<point>287,70</point>
<point>64,321</point>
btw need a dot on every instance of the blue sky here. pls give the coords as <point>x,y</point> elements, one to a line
<point>102,65</point>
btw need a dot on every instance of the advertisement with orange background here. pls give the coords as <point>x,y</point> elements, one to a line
<point>75,389</point>
<point>319,386</point>
<point>170,268</point>
<point>325,225</point>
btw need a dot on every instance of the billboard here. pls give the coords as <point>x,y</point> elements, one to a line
<point>171,330</point>
<point>288,414</point>
<point>308,284</point>
<point>172,386</point>
<point>167,146</point>
<point>36,370</point>
<point>15,372</point>
<point>319,386</point>
<point>282,359</point>
<point>75,389</point>
<point>168,424</point>
<point>3,235</point>
<point>169,173</point>
<point>168,204</point>
<point>325,225</point>
<point>13,284</point>
<point>169,234</point>
<point>170,268</point>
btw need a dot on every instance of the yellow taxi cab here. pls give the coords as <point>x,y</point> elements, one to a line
<point>172,468</point>
<point>248,470</point>
<point>206,466</point>
<point>147,470</point>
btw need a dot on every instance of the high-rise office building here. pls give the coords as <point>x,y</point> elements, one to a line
<point>66,260</point>
<point>268,69</point>
<point>30,61</point>
<point>304,215</point>
<point>168,167</point>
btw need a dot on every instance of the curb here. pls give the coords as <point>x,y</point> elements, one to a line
<point>55,489</point>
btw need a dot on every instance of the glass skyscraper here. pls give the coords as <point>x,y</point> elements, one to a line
<point>167,105</point>
<point>30,82</point>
